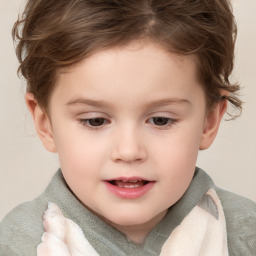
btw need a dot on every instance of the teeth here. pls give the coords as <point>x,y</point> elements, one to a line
<point>128,186</point>
<point>129,183</point>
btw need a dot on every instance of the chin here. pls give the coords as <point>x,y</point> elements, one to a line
<point>127,219</point>
<point>130,221</point>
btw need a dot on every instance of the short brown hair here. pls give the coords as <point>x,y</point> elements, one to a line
<point>55,34</point>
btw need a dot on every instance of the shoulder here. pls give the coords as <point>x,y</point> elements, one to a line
<point>22,228</point>
<point>240,216</point>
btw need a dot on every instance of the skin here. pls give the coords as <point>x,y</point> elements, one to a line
<point>128,88</point>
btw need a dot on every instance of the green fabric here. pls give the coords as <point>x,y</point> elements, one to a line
<point>21,229</point>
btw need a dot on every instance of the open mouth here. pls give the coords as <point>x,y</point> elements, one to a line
<point>129,188</point>
<point>129,184</point>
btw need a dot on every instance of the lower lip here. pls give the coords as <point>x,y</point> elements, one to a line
<point>129,193</point>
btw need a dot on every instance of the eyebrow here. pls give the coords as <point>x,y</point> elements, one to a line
<point>102,103</point>
<point>84,101</point>
<point>169,101</point>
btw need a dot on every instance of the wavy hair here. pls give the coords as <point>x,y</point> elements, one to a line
<point>54,34</point>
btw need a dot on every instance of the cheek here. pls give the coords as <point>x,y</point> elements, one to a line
<point>79,152</point>
<point>178,166</point>
<point>81,161</point>
<point>180,149</point>
<point>177,159</point>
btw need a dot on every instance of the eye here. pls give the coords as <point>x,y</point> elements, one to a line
<point>93,122</point>
<point>161,121</point>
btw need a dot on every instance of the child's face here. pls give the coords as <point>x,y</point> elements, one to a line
<point>134,114</point>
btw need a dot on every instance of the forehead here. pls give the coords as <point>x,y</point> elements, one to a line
<point>134,70</point>
<point>148,52</point>
<point>153,56</point>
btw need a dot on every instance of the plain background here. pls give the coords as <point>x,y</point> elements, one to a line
<point>26,167</point>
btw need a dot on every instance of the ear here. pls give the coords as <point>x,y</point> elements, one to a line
<point>41,121</point>
<point>212,123</point>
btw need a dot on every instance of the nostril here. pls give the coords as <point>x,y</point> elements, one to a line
<point>128,156</point>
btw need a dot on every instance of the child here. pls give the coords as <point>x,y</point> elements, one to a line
<point>127,92</point>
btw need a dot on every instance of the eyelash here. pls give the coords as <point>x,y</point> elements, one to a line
<point>170,122</point>
<point>86,122</point>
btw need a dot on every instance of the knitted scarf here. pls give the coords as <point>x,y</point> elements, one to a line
<point>201,233</point>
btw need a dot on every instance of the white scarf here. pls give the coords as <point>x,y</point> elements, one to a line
<point>201,233</point>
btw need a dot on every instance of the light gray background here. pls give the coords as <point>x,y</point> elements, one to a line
<point>26,167</point>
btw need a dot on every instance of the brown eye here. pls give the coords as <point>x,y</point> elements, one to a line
<point>96,121</point>
<point>94,124</point>
<point>160,121</point>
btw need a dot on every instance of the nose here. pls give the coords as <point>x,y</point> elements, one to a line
<point>129,146</point>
